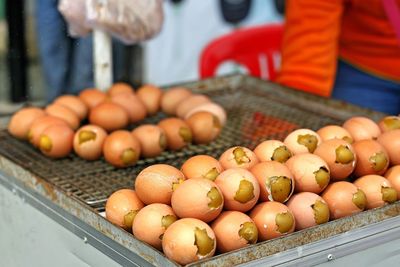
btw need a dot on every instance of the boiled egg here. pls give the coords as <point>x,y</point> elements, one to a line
<point>121,149</point>
<point>22,120</point>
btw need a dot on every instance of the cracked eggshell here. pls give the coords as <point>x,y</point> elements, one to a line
<point>334,132</point>
<point>272,150</point>
<point>372,158</point>
<point>302,141</point>
<point>238,157</point>
<point>201,166</point>
<point>362,128</point>
<point>378,190</point>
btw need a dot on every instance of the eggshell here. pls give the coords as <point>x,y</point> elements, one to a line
<point>273,219</point>
<point>152,139</point>
<point>334,132</point>
<point>156,183</point>
<point>201,166</point>
<point>367,151</point>
<point>56,141</point>
<point>39,125</point>
<point>151,222</point>
<point>239,188</point>
<point>177,131</point>
<point>297,140</point>
<point>309,210</point>
<point>305,168</point>
<point>205,127</point>
<point>64,113</point>
<point>362,128</point>
<point>340,157</point>
<point>213,108</point>
<point>121,149</point>
<point>275,180</point>
<point>389,123</point>
<point>238,157</point>
<point>393,176</point>
<point>344,199</point>
<point>120,88</point>
<point>391,142</point>
<point>373,187</point>
<point>181,245</point>
<point>150,96</point>
<point>272,150</point>
<point>122,207</point>
<point>92,97</point>
<point>234,230</point>
<point>172,97</point>
<point>109,116</point>
<point>197,198</point>
<point>74,103</point>
<point>190,103</point>
<point>22,120</point>
<point>88,142</point>
<point>132,105</point>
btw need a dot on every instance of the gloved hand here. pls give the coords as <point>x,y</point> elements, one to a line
<point>131,21</point>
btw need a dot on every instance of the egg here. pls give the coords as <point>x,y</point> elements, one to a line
<point>201,166</point>
<point>344,199</point>
<point>156,183</point>
<point>56,141</point>
<point>74,103</point>
<point>238,157</point>
<point>64,113</point>
<point>171,99</point>
<point>389,123</point>
<point>122,207</point>
<point>215,109</point>
<point>152,139</point>
<point>189,240</point>
<point>272,150</point>
<point>378,190</point>
<point>39,125</point>
<point>302,141</point>
<point>393,176</point>
<point>391,142</point>
<point>273,219</point>
<point>120,88</point>
<point>234,230</point>
<point>239,188</point>
<point>310,172</point>
<point>197,198</point>
<point>88,142</point>
<point>132,105</point>
<point>22,120</point>
<point>109,116</point>
<point>275,180</point>
<point>205,127</point>
<point>340,157</point>
<point>362,128</point>
<point>150,96</point>
<point>334,132</point>
<point>190,103</point>
<point>121,149</point>
<point>151,222</point>
<point>92,97</point>
<point>371,158</point>
<point>177,131</point>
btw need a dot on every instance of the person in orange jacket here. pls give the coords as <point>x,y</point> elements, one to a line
<point>347,49</point>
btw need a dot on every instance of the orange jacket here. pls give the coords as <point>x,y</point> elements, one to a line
<point>317,32</point>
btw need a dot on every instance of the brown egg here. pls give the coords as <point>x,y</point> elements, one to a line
<point>372,158</point>
<point>238,157</point>
<point>88,142</point>
<point>122,207</point>
<point>393,176</point>
<point>362,128</point>
<point>188,240</point>
<point>344,199</point>
<point>64,113</point>
<point>132,105</point>
<point>152,139</point>
<point>391,142</point>
<point>121,149</point>
<point>272,150</point>
<point>239,188</point>
<point>389,123</point>
<point>273,219</point>
<point>190,103</point>
<point>275,180</point>
<point>205,127</point>
<point>120,88</point>
<point>172,97</point>
<point>150,96</point>
<point>151,222</point>
<point>201,166</point>
<point>109,116</point>
<point>156,183</point>
<point>310,172</point>
<point>92,97</point>
<point>340,157</point>
<point>74,103</point>
<point>39,125</point>
<point>234,230</point>
<point>302,141</point>
<point>197,198</point>
<point>215,109</point>
<point>177,131</point>
<point>378,190</point>
<point>334,132</point>
<point>22,120</point>
<point>308,209</point>
<point>56,141</point>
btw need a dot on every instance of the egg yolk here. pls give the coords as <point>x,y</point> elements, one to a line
<point>85,136</point>
<point>322,177</point>
<point>281,154</point>
<point>284,222</point>
<point>343,155</point>
<point>321,212</point>
<point>186,134</point>
<point>280,187</point>
<point>215,198</point>
<point>203,242</point>
<point>211,174</point>
<point>389,194</point>
<point>240,156</point>
<point>308,140</point>
<point>245,191</point>
<point>45,143</point>
<point>379,161</point>
<point>359,199</point>
<point>249,232</point>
